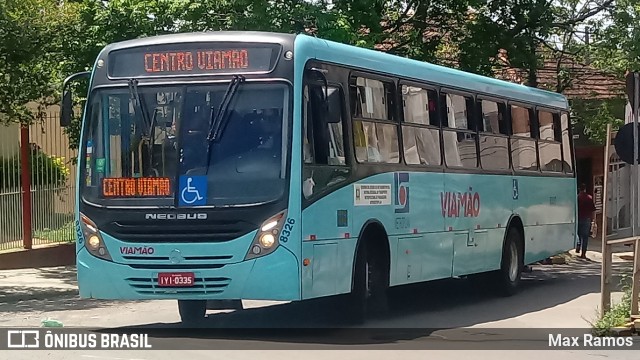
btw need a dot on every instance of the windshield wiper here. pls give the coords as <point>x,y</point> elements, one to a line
<point>137,103</point>
<point>147,124</point>
<point>217,122</point>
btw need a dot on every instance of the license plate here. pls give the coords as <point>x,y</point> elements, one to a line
<point>175,279</point>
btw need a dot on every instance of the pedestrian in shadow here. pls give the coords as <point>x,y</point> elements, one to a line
<point>586,213</point>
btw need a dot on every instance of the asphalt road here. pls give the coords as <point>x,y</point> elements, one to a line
<point>455,314</point>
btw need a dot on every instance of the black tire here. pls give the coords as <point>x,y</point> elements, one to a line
<point>509,275</point>
<point>192,311</point>
<point>370,284</point>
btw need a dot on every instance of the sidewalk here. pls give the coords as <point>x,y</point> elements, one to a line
<point>37,284</point>
<point>621,252</point>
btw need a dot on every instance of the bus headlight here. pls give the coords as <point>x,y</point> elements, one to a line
<point>94,243</point>
<point>266,240</point>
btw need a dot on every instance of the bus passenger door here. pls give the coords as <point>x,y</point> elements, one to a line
<point>326,218</point>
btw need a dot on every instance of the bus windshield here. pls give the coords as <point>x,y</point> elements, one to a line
<point>145,144</point>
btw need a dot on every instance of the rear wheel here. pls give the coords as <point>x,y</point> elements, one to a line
<point>508,277</point>
<point>192,311</point>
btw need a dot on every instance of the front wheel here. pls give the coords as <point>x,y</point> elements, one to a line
<point>508,277</point>
<point>192,311</point>
<point>370,285</point>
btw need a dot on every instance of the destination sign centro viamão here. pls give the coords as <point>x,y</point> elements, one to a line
<point>190,60</point>
<point>203,60</point>
<point>136,187</point>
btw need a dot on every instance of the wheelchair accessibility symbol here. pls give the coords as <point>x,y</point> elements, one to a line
<point>193,190</point>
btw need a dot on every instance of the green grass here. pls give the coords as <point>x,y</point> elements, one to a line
<point>63,233</point>
<point>619,313</point>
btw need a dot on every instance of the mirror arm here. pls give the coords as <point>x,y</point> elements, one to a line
<point>73,78</point>
<point>66,105</point>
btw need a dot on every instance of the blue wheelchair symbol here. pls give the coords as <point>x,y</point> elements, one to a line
<point>193,190</point>
<point>515,189</point>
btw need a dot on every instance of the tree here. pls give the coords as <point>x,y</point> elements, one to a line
<point>463,33</point>
<point>29,57</point>
<point>616,38</point>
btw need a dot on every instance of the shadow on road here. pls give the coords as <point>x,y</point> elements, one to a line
<point>417,311</point>
<point>67,275</point>
<point>55,300</point>
<point>28,297</point>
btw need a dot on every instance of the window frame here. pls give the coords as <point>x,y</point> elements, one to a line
<point>556,119</point>
<point>532,115</point>
<point>572,172</point>
<point>393,112</point>
<point>471,118</point>
<point>532,134</point>
<point>502,104</point>
<point>392,109</point>
<point>345,134</point>
<point>429,126</point>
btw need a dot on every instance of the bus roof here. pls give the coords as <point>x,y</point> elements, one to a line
<point>418,70</point>
<point>209,36</point>
<point>366,59</point>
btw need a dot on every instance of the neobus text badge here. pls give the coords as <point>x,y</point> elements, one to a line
<point>182,279</point>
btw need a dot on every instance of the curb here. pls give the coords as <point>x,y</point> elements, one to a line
<point>42,295</point>
<point>61,254</point>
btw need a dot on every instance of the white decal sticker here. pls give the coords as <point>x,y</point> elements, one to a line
<point>371,194</point>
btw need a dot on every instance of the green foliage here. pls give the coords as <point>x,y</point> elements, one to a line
<point>595,115</point>
<point>46,171</point>
<point>619,313</point>
<point>42,41</point>
<point>65,232</point>
<point>516,26</point>
<point>616,38</point>
<point>29,57</point>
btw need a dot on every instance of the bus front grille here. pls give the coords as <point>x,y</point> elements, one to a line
<point>201,286</point>
<point>171,231</point>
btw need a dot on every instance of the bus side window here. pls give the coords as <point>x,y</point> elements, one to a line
<point>459,132</point>
<point>374,134</point>
<point>323,142</point>
<point>523,146</point>
<point>567,159</point>
<point>549,143</point>
<point>323,136</point>
<point>421,139</point>
<point>494,141</point>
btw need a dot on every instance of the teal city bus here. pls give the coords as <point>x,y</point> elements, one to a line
<point>250,165</point>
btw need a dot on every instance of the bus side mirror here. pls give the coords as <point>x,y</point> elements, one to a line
<point>319,75</point>
<point>66,112</point>
<point>66,108</point>
<point>333,108</point>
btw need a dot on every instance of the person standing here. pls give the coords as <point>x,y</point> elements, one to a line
<point>586,213</point>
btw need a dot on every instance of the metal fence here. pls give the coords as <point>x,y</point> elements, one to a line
<point>51,173</point>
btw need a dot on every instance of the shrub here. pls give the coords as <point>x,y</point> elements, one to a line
<point>46,171</point>
<point>618,314</point>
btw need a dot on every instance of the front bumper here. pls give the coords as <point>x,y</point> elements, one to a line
<point>271,277</point>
